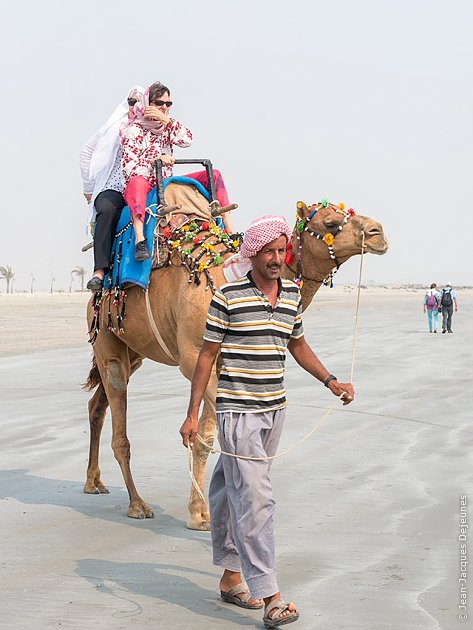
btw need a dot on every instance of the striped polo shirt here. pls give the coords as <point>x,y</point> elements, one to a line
<point>253,338</point>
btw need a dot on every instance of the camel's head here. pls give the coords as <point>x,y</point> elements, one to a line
<point>341,231</point>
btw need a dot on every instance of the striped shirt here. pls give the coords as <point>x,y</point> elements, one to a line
<point>253,338</point>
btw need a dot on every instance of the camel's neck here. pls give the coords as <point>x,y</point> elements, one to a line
<point>316,265</point>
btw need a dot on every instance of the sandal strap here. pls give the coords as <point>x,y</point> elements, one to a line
<point>239,589</point>
<point>278,604</point>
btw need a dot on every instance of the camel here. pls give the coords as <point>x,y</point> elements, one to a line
<point>179,310</point>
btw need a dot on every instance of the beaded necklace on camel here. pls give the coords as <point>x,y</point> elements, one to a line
<point>201,245</point>
<point>302,225</point>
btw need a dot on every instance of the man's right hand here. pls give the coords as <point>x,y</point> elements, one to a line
<point>189,429</point>
<point>87,197</point>
<point>344,391</point>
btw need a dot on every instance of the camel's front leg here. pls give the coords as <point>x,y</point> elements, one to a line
<point>199,517</point>
<point>116,382</point>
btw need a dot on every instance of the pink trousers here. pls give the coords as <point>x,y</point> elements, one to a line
<point>138,187</point>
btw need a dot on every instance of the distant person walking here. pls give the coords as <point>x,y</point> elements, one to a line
<point>431,305</point>
<point>447,301</point>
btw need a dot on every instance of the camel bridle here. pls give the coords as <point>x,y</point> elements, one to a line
<point>302,225</point>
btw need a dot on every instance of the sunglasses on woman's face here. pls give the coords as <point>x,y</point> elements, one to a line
<point>161,103</point>
<point>132,101</point>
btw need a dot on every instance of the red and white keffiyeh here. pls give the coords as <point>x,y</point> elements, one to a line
<point>262,231</point>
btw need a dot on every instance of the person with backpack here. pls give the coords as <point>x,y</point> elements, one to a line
<point>431,305</point>
<point>447,301</point>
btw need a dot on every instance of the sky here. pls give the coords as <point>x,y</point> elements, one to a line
<point>367,102</point>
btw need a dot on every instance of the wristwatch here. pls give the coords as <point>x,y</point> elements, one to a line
<point>329,378</point>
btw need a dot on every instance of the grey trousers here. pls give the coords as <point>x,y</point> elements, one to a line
<point>447,312</point>
<point>241,499</point>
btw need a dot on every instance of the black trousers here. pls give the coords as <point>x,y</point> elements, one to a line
<point>108,205</point>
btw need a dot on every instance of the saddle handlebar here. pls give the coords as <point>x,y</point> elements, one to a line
<point>164,210</point>
<point>218,211</point>
<point>207,164</point>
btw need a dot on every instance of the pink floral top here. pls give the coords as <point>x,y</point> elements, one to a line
<point>141,147</point>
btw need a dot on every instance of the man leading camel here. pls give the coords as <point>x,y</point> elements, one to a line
<point>251,322</point>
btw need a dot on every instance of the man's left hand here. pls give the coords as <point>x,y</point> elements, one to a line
<point>343,390</point>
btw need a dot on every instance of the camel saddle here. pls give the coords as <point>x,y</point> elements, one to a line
<point>193,200</point>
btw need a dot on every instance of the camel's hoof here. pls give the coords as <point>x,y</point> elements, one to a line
<point>198,524</point>
<point>91,488</point>
<point>140,511</point>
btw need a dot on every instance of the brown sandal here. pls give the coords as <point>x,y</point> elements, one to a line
<point>279,606</point>
<point>241,590</point>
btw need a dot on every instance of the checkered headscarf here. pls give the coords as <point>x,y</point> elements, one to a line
<point>262,231</point>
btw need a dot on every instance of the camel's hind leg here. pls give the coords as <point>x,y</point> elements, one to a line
<point>98,405</point>
<point>199,517</point>
<point>116,363</point>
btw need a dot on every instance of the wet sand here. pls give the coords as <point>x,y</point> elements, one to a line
<point>367,525</point>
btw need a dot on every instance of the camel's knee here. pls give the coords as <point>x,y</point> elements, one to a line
<point>116,379</point>
<point>121,448</point>
<point>200,451</point>
<point>98,405</point>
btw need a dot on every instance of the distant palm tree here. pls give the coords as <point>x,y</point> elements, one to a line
<point>7,274</point>
<point>81,272</point>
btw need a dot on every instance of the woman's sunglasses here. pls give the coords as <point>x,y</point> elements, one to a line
<point>161,103</point>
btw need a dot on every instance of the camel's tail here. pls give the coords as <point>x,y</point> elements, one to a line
<point>94,377</point>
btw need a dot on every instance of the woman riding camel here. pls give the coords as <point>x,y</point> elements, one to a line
<point>152,135</point>
<point>100,164</point>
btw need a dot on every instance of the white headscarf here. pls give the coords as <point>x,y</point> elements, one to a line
<point>99,155</point>
<point>105,152</point>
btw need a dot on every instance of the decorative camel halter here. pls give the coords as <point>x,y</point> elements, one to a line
<point>302,225</point>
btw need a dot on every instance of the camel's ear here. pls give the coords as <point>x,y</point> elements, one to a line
<point>302,210</point>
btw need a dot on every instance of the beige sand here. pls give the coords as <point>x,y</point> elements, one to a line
<point>41,320</point>
<point>368,509</point>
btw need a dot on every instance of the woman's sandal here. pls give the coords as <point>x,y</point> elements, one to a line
<point>240,596</point>
<point>279,606</point>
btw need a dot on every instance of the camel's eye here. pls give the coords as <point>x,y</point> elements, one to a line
<point>331,225</point>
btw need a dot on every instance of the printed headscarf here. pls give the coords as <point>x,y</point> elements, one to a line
<point>155,126</point>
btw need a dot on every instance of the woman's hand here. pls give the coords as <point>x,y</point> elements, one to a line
<point>154,113</point>
<point>167,160</point>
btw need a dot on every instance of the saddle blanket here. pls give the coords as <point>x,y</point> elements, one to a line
<point>123,266</point>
